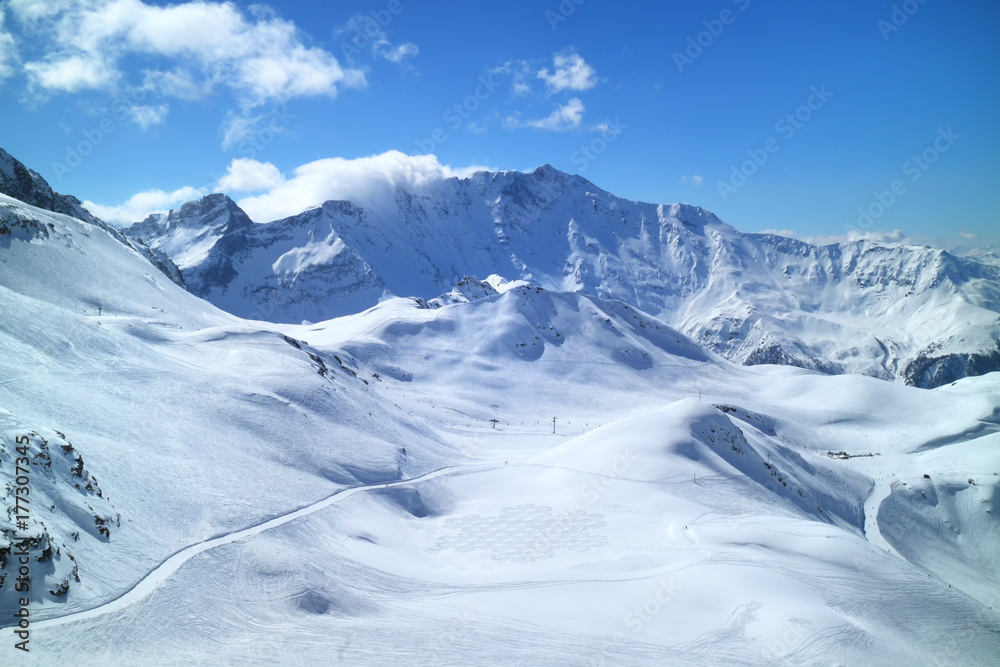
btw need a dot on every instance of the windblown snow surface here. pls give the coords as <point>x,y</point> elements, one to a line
<point>505,475</point>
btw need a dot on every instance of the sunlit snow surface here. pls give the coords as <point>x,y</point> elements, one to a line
<point>686,511</point>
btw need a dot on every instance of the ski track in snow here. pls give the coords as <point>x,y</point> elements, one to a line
<point>167,568</point>
<point>873,534</point>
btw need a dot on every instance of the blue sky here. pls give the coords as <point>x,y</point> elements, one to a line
<point>819,118</point>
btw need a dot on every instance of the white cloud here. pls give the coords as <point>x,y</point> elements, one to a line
<point>966,234</point>
<point>608,129</point>
<point>362,32</point>
<point>368,181</point>
<point>209,44</point>
<point>567,117</point>
<point>362,181</point>
<point>396,54</point>
<point>143,204</point>
<point>146,117</point>
<point>246,175</point>
<point>695,180</point>
<point>571,73</point>
<point>71,74</point>
<point>895,236</point>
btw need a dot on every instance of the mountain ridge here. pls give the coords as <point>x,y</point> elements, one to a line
<point>28,186</point>
<point>859,306</point>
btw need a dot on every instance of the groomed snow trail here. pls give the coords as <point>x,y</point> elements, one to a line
<point>164,570</point>
<point>873,534</point>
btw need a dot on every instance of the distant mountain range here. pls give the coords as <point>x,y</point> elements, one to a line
<point>889,310</point>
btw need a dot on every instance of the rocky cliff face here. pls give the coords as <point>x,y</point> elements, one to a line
<point>26,185</point>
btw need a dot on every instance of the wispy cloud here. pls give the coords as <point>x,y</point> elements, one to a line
<point>146,117</point>
<point>895,236</point>
<point>253,131</point>
<point>362,33</point>
<point>566,117</point>
<point>520,73</point>
<point>695,180</point>
<point>8,52</point>
<point>178,82</point>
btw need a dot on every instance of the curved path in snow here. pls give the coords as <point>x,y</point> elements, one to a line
<point>873,534</point>
<point>164,570</point>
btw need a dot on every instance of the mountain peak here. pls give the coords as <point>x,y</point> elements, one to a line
<point>751,298</point>
<point>212,206</point>
<point>546,170</point>
<point>28,186</point>
<point>188,233</point>
<point>693,216</point>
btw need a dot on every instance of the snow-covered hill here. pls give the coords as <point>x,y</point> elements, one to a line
<point>139,375</point>
<point>503,474</point>
<point>892,311</point>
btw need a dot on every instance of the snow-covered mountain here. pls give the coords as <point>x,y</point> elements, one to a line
<point>888,310</point>
<point>390,487</point>
<point>27,186</point>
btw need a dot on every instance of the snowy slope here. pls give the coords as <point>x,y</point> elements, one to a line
<point>687,511</point>
<point>27,186</point>
<point>893,311</point>
<point>104,355</point>
<point>504,474</point>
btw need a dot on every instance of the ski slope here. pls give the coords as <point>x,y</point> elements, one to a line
<point>387,488</point>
